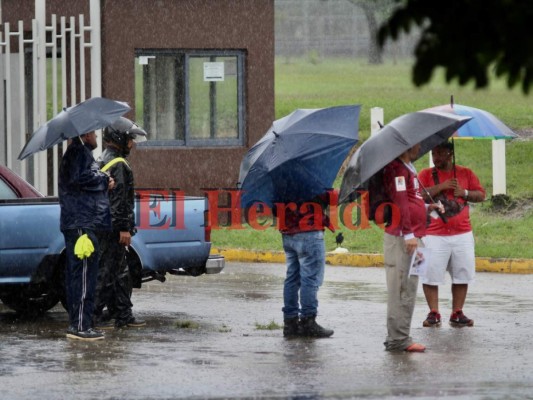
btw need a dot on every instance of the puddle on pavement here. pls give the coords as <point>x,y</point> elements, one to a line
<point>226,356</point>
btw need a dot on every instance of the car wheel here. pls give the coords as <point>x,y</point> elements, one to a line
<point>29,301</point>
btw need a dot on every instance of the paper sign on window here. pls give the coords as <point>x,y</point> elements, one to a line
<point>143,60</point>
<point>213,71</point>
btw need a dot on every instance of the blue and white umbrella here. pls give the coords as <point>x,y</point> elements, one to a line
<point>483,124</point>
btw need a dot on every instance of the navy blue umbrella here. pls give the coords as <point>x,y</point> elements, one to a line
<point>299,157</point>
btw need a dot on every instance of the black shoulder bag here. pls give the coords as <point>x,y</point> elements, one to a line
<point>451,206</point>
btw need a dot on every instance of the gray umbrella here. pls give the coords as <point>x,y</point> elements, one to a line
<point>94,113</point>
<point>428,128</point>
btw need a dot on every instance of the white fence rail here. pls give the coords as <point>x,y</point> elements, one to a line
<point>35,84</point>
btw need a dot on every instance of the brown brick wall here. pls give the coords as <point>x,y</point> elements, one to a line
<point>201,24</point>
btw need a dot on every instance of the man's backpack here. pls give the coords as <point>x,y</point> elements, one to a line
<point>376,197</point>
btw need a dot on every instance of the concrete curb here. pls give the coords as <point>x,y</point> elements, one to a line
<point>483,264</point>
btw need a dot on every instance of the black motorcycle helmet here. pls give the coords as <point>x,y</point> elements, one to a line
<point>123,129</point>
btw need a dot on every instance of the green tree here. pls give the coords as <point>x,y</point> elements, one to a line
<point>372,9</point>
<point>469,38</point>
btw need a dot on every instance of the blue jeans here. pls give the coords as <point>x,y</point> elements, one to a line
<point>80,280</point>
<point>306,258</point>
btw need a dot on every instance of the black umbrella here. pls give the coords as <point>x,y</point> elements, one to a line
<point>425,127</point>
<point>94,113</point>
<point>300,155</point>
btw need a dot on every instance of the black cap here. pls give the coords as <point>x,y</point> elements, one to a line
<point>448,145</point>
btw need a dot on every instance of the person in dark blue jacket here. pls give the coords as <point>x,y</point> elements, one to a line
<point>84,204</point>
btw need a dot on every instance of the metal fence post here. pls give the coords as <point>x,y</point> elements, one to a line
<point>22,98</point>
<point>7,64</point>
<point>41,163</point>
<point>96,60</point>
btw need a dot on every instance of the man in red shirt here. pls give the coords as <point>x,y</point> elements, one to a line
<point>451,243</point>
<point>401,239</point>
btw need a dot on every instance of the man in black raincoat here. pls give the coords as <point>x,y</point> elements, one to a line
<point>114,287</point>
<point>84,210</point>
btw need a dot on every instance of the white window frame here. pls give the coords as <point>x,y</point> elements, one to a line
<point>188,140</point>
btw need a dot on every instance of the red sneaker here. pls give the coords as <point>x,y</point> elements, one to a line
<point>433,319</point>
<point>458,319</point>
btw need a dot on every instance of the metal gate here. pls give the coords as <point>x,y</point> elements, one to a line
<point>42,70</point>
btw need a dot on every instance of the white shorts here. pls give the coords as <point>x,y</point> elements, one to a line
<point>454,254</point>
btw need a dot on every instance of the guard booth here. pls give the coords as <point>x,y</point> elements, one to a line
<point>199,77</point>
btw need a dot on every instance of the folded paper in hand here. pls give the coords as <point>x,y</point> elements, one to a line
<point>420,261</point>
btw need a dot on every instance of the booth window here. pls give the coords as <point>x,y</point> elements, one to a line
<point>190,98</point>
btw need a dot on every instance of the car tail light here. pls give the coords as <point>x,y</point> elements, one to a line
<point>207,225</point>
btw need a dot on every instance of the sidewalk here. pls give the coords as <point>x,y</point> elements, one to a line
<point>483,264</point>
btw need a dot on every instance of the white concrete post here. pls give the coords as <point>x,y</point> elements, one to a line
<point>376,118</point>
<point>499,184</point>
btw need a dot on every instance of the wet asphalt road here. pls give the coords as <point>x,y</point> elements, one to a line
<point>202,341</point>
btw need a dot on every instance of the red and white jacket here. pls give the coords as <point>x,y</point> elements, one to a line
<point>402,187</point>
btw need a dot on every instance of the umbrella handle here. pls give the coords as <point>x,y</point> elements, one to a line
<point>442,216</point>
<point>453,158</point>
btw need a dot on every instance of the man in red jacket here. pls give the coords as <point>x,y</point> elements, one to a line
<point>451,243</point>
<point>401,239</point>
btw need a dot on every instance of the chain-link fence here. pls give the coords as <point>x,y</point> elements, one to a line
<point>330,28</point>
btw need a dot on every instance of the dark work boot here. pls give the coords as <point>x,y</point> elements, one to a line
<point>130,322</point>
<point>290,327</point>
<point>309,328</point>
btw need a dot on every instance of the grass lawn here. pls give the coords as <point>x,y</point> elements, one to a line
<point>499,231</point>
